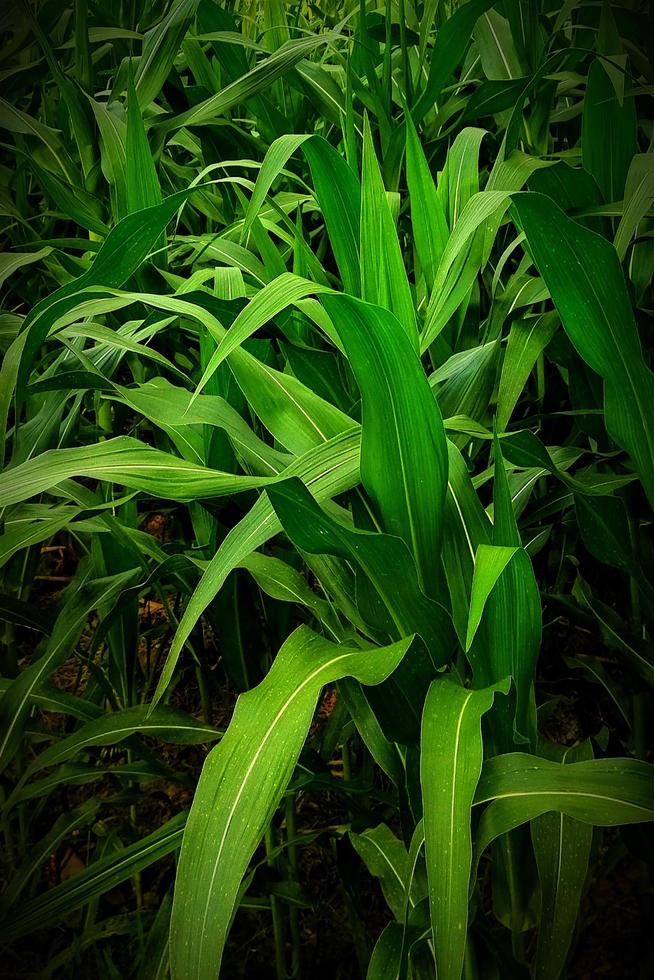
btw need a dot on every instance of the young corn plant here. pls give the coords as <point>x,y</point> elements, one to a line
<point>326,368</point>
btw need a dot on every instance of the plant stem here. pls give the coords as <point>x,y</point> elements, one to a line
<point>205,697</point>
<point>277,915</point>
<point>347,767</point>
<point>294,922</point>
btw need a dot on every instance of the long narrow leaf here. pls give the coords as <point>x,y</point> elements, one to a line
<point>241,784</point>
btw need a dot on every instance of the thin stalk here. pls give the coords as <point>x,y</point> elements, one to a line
<point>347,762</point>
<point>640,725</point>
<point>405,55</point>
<point>367,766</point>
<point>634,594</point>
<point>386,69</point>
<point>136,878</point>
<point>540,379</point>
<point>358,934</point>
<point>293,863</point>
<point>9,652</point>
<point>205,696</point>
<point>540,395</point>
<point>277,914</point>
<point>518,945</point>
<point>7,831</point>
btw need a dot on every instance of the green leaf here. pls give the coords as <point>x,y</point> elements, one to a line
<point>126,461</point>
<point>638,198</point>
<point>383,275</point>
<point>65,826</point>
<point>493,36</point>
<point>386,958</point>
<point>278,295</point>
<point>298,418</point>
<point>72,202</point>
<point>241,785</point>
<point>113,157</point>
<point>428,223</point>
<point>174,410</point>
<point>292,412</point>
<point>383,560</point>
<point>100,877</point>
<point>450,764</point>
<point>387,859</point>
<point>49,698</point>
<point>490,562</point>
<point>403,447</point>
<point>163,722</point>
<point>459,181</point>
<point>156,955</point>
<point>160,47</point>
<point>142,183</point>
<point>608,133</point>
<point>385,753</point>
<point>329,469</point>
<point>81,773</point>
<point>528,339</point>
<point>448,51</point>
<point>16,121</point>
<point>284,583</point>
<point>11,262</point>
<point>493,97</point>
<point>467,386</point>
<point>277,155</point>
<point>583,274</point>
<point>123,252</point>
<point>339,197</point>
<point>602,792</point>
<point>562,847</point>
<point>252,83</point>
<point>86,595</point>
<point>605,531</point>
<point>615,633</point>
<point>23,527</point>
<point>466,527</point>
<point>83,60</point>
<point>469,246</point>
<point>509,642</point>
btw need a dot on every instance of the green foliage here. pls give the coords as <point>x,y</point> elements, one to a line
<point>354,301</point>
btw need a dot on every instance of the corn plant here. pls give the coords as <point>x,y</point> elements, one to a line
<point>352,298</point>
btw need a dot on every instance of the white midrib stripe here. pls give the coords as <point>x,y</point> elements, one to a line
<point>561,824</point>
<point>294,401</point>
<point>499,46</point>
<point>457,186</point>
<point>463,523</point>
<point>248,772</point>
<point>570,792</point>
<point>403,469</point>
<point>405,887</point>
<point>518,295</point>
<point>618,347</point>
<point>454,777</point>
<point>126,861</point>
<point>136,730</point>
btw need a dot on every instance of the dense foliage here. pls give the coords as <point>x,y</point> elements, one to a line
<point>326,334</point>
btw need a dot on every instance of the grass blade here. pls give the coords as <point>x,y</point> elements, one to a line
<point>87,594</point>
<point>450,765</point>
<point>403,448</point>
<point>242,782</point>
<point>583,275</point>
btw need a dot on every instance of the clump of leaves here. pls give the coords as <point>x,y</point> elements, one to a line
<point>356,300</point>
